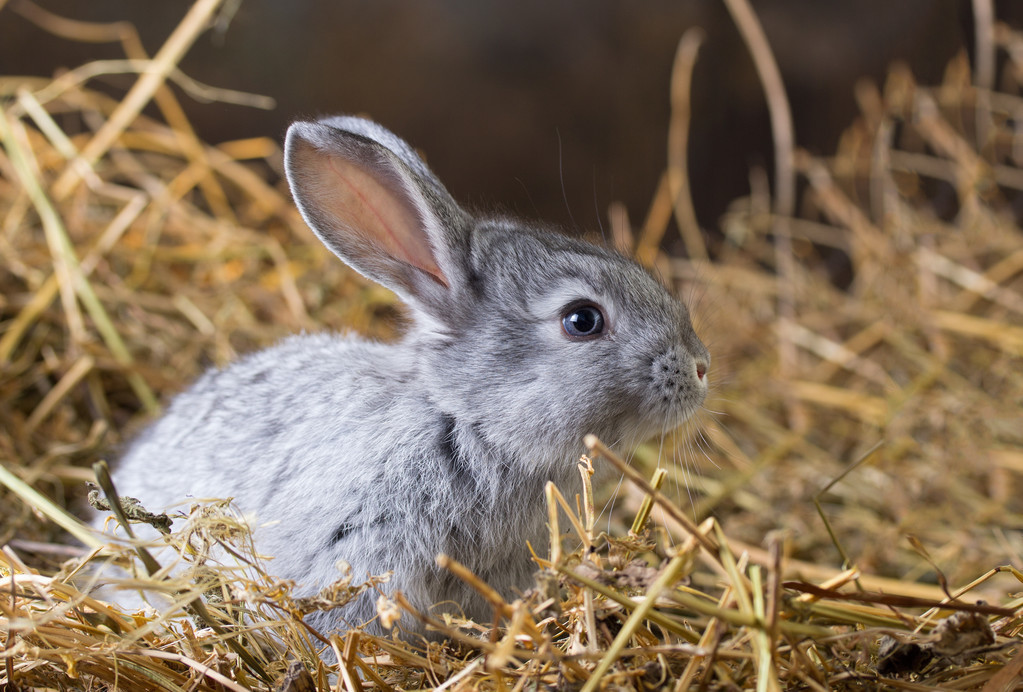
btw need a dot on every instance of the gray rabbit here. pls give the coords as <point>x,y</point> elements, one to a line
<point>521,341</point>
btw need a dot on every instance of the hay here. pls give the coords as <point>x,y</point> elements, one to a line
<point>871,432</point>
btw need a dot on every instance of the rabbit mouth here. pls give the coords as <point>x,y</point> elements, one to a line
<point>649,419</point>
<point>665,422</point>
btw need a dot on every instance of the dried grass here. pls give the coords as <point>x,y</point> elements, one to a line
<point>872,433</point>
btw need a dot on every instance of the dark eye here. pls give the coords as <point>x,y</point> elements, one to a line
<point>583,321</point>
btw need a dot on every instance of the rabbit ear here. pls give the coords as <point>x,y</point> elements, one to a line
<point>375,204</point>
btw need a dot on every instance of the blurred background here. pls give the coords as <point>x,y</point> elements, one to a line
<point>549,110</point>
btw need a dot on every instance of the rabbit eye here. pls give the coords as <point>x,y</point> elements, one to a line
<point>583,321</point>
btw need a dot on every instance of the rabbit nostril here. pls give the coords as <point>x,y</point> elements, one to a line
<point>701,369</point>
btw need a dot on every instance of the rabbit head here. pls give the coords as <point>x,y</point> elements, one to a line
<point>530,337</point>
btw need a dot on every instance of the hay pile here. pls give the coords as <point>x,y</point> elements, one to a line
<point>133,255</point>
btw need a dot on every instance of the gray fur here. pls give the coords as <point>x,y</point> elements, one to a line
<point>384,455</point>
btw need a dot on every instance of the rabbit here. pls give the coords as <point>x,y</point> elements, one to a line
<point>521,340</point>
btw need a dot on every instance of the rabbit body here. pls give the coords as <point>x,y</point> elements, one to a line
<point>521,341</point>
<point>337,464</point>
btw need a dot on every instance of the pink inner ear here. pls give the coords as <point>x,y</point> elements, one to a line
<point>382,216</point>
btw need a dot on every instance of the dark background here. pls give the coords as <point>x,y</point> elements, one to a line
<point>549,109</point>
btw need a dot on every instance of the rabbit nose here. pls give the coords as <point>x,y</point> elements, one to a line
<point>673,373</point>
